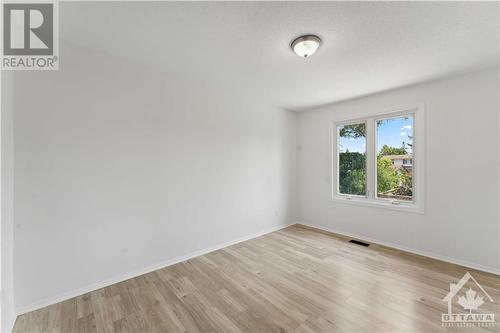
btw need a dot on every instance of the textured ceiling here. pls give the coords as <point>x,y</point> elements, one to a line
<point>244,46</point>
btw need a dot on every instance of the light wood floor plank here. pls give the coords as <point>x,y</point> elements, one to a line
<point>297,279</point>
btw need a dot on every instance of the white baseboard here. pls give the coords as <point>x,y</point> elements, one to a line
<point>80,291</point>
<point>459,262</point>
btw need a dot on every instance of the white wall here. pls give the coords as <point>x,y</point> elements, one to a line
<point>7,204</point>
<point>461,220</point>
<point>120,168</point>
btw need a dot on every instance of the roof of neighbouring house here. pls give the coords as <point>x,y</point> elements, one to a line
<point>399,157</point>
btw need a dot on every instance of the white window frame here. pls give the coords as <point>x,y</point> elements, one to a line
<point>371,200</point>
<point>337,182</point>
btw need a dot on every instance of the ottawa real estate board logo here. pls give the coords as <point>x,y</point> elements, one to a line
<point>470,296</point>
<point>30,36</point>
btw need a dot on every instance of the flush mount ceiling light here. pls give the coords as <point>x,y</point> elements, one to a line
<point>306,45</point>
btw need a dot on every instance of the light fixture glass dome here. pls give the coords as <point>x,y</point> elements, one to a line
<point>304,46</point>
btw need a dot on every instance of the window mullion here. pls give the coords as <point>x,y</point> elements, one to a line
<point>370,158</point>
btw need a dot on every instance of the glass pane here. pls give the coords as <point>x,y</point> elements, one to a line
<point>395,158</point>
<point>352,159</point>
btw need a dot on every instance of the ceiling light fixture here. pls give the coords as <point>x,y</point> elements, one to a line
<point>306,45</point>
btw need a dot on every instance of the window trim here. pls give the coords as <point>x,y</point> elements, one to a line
<point>371,200</point>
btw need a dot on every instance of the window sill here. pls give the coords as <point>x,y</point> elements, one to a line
<point>401,206</point>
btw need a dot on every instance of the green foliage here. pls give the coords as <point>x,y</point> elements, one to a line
<point>406,181</point>
<point>352,173</point>
<point>353,131</point>
<point>386,150</point>
<point>387,176</point>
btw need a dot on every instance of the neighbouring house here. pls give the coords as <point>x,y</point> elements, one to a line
<point>402,162</point>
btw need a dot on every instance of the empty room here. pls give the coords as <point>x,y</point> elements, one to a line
<point>250,166</point>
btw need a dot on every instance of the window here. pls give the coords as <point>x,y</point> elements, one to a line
<point>352,159</point>
<point>394,150</point>
<point>378,160</point>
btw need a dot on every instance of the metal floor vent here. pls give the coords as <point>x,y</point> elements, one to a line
<point>359,242</point>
